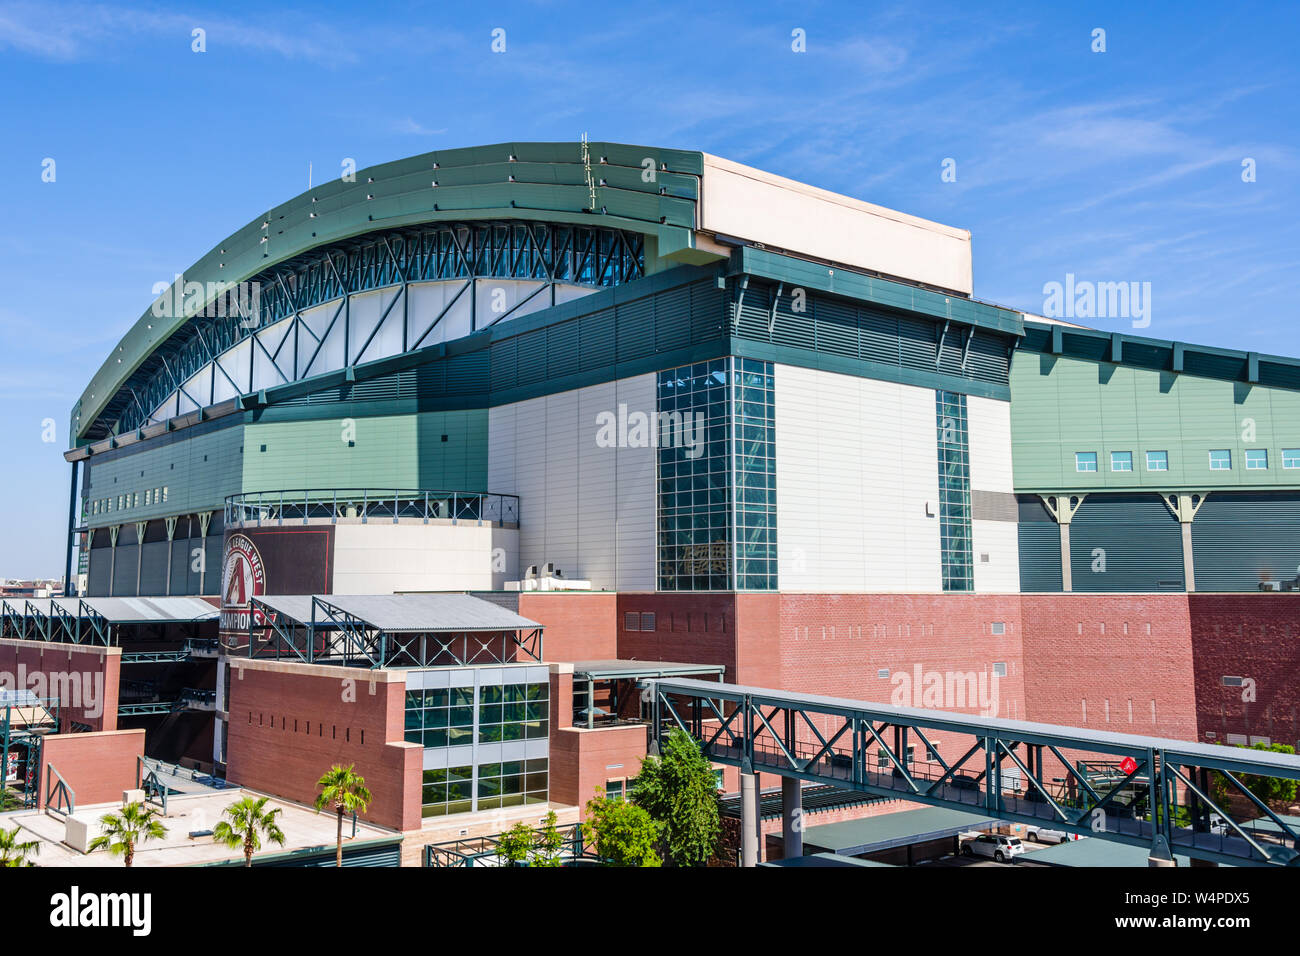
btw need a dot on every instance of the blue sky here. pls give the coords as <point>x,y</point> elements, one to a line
<point>1117,166</point>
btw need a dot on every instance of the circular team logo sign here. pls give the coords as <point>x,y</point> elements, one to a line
<point>243,577</point>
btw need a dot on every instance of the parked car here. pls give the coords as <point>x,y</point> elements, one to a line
<point>1004,849</point>
<point>1047,835</point>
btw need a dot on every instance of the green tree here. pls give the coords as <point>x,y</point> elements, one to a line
<point>15,852</point>
<point>249,822</point>
<point>1270,789</point>
<point>346,791</point>
<point>679,791</point>
<point>549,843</point>
<point>516,843</point>
<point>122,831</point>
<point>622,833</point>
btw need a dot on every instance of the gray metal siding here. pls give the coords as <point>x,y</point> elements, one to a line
<point>97,575</point>
<point>153,568</point>
<point>1040,547</point>
<point>1239,540</point>
<point>124,571</point>
<point>1142,542</point>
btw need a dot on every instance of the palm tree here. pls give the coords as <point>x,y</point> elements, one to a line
<point>347,791</point>
<point>122,831</point>
<point>249,822</point>
<point>16,853</point>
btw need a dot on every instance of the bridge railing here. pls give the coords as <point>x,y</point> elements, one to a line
<point>1004,771</point>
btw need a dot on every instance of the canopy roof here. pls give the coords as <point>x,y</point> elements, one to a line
<point>404,613</point>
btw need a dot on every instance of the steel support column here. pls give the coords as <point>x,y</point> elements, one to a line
<point>68,587</point>
<point>749,819</point>
<point>792,816</point>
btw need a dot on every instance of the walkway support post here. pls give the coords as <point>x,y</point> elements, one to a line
<point>748,819</point>
<point>792,816</point>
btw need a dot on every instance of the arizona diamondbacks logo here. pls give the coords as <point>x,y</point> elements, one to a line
<point>243,577</point>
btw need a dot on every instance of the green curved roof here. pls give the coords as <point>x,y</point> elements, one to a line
<point>540,181</point>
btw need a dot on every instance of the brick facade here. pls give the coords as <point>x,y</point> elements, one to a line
<point>1255,637</point>
<point>290,722</point>
<point>98,767</point>
<point>579,626</point>
<point>84,678</point>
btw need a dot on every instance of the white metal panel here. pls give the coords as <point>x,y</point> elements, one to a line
<point>739,200</point>
<point>988,426</point>
<point>563,477</point>
<point>597,482</point>
<point>1000,541</point>
<point>856,467</point>
<point>366,308</point>
<point>428,300</point>
<point>277,340</point>
<point>636,496</point>
<point>199,388</point>
<point>330,358</point>
<point>497,297</point>
<point>588,510</point>
<point>236,380</point>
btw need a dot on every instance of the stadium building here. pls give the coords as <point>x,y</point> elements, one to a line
<point>512,427</point>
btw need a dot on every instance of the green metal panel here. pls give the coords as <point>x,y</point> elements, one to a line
<point>1239,540</point>
<point>1141,540</point>
<point>549,185</point>
<point>886,292</point>
<point>199,467</point>
<point>392,451</point>
<point>1062,405</point>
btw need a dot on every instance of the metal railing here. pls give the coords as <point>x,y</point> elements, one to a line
<point>59,797</point>
<point>275,508</point>
<point>486,851</point>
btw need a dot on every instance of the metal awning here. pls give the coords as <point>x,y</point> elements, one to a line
<point>118,610</point>
<point>816,799</point>
<point>404,613</point>
<point>818,860</point>
<point>628,669</point>
<point>889,830</point>
<point>390,630</point>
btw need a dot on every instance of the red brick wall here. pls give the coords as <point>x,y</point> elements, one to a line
<point>97,766</point>
<point>1254,636</point>
<point>1110,649</point>
<point>70,672</point>
<point>582,760</point>
<point>289,723</point>
<point>579,626</point>
<point>689,628</point>
<point>836,643</point>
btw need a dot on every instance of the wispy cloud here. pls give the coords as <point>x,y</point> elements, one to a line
<point>72,32</point>
<point>410,126</point>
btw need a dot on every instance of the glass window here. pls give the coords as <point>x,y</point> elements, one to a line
<point>1220,460</point>
<point>1256,459</point>
<point>447,791</point>
<point>1157,461</point>
<point>953,451</point>
<point>1085,461</point>
<point>614,789</point>
<point>1291,457</point>
<point>1121,461</point>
